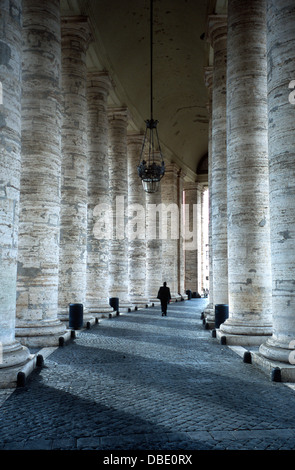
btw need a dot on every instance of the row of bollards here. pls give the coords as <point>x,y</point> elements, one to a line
<point>221,314</point>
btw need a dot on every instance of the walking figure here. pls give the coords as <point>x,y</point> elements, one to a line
<point>165,297</point>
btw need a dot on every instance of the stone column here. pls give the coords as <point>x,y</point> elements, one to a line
<point>281,139</point>
<point>153,245</point>
<point>136,224</point>
<point>98,86</point>
<point>249,269</point>
<point>118,187</point>
<point>170,225</point>
<point>12,353</point>
<point>72,275</point>
<point>37,284</point>
<point>217,29</point>
<point>181,253</point>
<point>192,244</point>
<point>209,310</point>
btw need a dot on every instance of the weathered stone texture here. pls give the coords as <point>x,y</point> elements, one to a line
<point>75,35</point>
<point>118,187</point>
<point>217,30</point>
<point>12,352</point>
<point>249,270</point>
<point>281,56</point>
<point>98,86</point>
<point>208,77</point>
<point>37,284</point>
<point>192,245</point>
<point>170,225</point>
<point>136,223</point>
<point>154,244</point>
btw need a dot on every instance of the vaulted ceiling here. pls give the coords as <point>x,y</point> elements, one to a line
<point>121,46</point>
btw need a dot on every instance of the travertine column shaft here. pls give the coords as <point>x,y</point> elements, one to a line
<point>98,86</point>
<point>217,28</point>
<point>37,285</point>
<point>181,246</point>
<point>170,225</point>
<point>192,242</point>
<point>73,252</point>
<point>281,139</point>
<point>136,223</point>
<point>12,353</point>
<point>153,245</point>
<point>249,270</point>
<point>209,310</point>
<point>118,258</point>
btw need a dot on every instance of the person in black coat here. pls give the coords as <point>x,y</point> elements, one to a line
<point>165,297</point>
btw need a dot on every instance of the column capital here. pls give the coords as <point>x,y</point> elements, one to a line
<point>193,185</point>
<point>79,26</point>
<point>216,28</point>
<point>99,79</point>
<point>172,168</point>
<point>136,139</point>
<point>118,114</point>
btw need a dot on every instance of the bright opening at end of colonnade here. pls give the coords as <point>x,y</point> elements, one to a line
<point>151,222</point>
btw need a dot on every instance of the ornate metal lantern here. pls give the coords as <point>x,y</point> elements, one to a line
<point>151,167</point>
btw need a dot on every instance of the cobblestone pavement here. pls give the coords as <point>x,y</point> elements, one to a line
<point>143,381</point>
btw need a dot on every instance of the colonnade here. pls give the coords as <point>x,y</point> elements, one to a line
<point>251,176</point>
<point>68,173</point>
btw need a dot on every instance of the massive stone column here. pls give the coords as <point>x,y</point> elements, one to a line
<point>249,269</point>
<point>170,225</point>
<point>153,245</point>
<point>37,284</point>
<point>217,29</point>
<point>209,310</point>
<point>12,353</point>
<point>72,270</point>
<point>98,86</point>
<point>136,224</point>
<point>192,244</point>
<point>281,138</point>
<point>181,244</point>
<point>118,187</point>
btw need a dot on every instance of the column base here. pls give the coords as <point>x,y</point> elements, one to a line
<point>176,298</point>
<point>14,358</point>
<point>238,332</point>
<point>126,306</point>
<point>239,340</point>
<point>44,334</point>
<point>141,302</point>
<point>209,317</point>
<point>99,309</point>
<point>274,352</point>
<point>279,371</point>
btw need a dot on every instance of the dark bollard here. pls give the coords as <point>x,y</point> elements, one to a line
<point>223,340</point>
<point>75,316</point>
<point>221,314</point>
<point>39,360</point>
<point>247,357</point>
<point>114,302</point>
<point>276,374</point>
<point>21,379</point>
<point>189,294</point>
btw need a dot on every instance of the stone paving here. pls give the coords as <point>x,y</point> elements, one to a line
<point>140,381</point>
